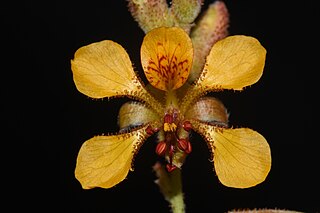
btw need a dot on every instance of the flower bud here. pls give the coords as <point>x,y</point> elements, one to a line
<point>211,27</point>
<point>150,14</point>
<point>186,11</point>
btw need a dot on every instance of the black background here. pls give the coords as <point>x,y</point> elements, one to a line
<point>46,120</point>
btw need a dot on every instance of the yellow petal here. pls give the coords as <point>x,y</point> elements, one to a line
<point>233,63</point>
<point>103,69</point>
<point>242,157</point>
<point>166,57</point>
<point>104,161</point>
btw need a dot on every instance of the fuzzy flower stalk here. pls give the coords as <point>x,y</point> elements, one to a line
<point>183,62</point>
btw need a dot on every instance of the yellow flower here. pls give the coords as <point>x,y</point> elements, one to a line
<point>171,107</point>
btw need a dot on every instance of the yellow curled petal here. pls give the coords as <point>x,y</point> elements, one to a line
<point>166,57</point>
<point>104,69</point>
<point>233,63</point>
<point>104,161</point>
<point>132,114</point>
<point>242,157</point>
<point>208,109</point>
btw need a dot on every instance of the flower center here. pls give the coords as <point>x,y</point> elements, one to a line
<point>173,141</point>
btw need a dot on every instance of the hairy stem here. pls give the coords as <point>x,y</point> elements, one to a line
<point>170,185</point>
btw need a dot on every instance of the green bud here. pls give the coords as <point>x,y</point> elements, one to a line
<point>186,11</point>
<point>150,14</point>
<point>211,27</point>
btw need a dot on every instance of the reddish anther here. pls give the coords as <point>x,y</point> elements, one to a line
<point>189,148</point>
<point>187,126</point>
<point>161,148</point>
<point>150,130</point>
<point>170,167</point>
<point>168,118</point>
<point>183,144</point>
